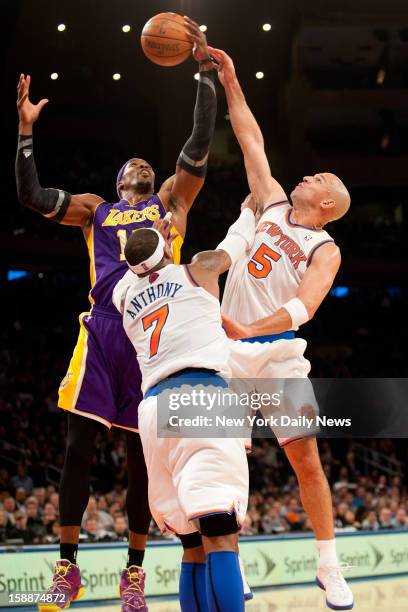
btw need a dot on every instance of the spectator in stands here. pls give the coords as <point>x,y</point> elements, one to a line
<point>350,523</point>
<point>120,529</point>
<point>9,506</point>
<point>401,519</point>
<point>359,498</point>
<point>40,495</point>
<point>371,523</point>
<point>273,522</point>
<point>103,519</point>
<point>20,530</point>
<point>4,525</point>
<point>21,479</point>
<point>90,529</point>
<point>294,515</point>
<point>340,519</point>
<point>54,536</point>
<point>20,497</point>
<point>49,516</point>
<point>4,473</point>
<point>386,521</point>
<point>54,500</point>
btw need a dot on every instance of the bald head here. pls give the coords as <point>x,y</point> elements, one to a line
<point>340,195</point>
<point>321,198</point>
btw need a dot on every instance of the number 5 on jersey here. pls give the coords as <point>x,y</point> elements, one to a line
<point>158,319</point>
<point>261,261</point>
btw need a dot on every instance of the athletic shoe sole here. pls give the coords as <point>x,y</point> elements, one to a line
<point>330,605</point>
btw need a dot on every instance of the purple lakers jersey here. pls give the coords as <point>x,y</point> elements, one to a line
<point>112,226</point>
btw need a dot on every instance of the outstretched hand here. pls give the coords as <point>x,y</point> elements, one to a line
<point>225,66</point>
<point>28,113</point>
<point>198,38</point>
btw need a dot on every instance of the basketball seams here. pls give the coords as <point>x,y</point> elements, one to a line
<point>153,19</point>
<point>167,38</point>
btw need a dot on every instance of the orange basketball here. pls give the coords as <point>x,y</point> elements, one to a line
<point>164,39</point>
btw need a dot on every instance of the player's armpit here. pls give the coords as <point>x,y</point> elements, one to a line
<point>81,209</point>
<point>319,276</point>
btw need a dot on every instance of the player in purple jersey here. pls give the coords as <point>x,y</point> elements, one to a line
<point>102,384</point>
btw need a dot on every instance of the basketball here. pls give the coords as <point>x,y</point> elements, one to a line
<point>164,39</point>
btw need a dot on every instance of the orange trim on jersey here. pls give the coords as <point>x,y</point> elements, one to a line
<point>93,417</point>
<point>190,276</point>
<point>295,439</point>
<point>134,429</point>
<point>312,252</point>
<point>280,203</point>
<point>289,222</point>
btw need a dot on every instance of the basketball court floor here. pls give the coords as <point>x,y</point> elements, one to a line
<point>377,595</point>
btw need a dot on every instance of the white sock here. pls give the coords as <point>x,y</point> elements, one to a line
<point>327,552</point>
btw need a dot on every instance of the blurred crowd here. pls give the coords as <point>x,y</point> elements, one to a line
<point>29,513</point>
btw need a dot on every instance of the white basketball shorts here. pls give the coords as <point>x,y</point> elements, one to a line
<point>190,478</point>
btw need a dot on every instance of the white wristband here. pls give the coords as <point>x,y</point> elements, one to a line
<point>240,236</point>
<point>297,311</point>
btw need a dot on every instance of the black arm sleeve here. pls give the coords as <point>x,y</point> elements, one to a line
<point>193,157</point>
<point>51,203</point>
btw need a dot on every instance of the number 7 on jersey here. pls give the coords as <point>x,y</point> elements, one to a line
<point>158,319</point>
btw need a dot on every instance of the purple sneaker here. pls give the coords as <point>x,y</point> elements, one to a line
<point>66,587</point>
<point>131,589</point>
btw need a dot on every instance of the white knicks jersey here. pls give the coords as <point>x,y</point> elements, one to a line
<point>270,274</point>
<point>172,322</point>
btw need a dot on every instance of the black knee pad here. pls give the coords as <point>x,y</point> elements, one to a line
<point>191,540</point>
<point>218,524</point>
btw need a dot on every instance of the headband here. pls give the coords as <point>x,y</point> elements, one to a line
<point>154,259</point>
<point>120,174</point>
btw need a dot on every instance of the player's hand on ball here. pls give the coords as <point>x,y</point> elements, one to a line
<point>197,37</point>
<point>235,330</point>
<point>28,113</point>
<point>225,67</point>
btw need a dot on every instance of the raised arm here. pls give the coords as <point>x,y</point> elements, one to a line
<point>312,290</point>
<point>55,204</point>
<point>263,186</point>
<point>207,266</point>
<point>179,191</point>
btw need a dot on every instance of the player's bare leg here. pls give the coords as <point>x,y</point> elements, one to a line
<point>315,495</point>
